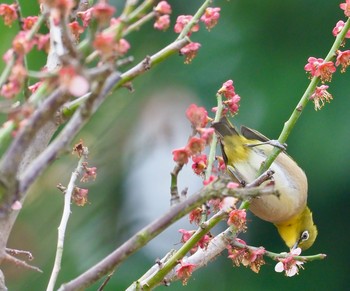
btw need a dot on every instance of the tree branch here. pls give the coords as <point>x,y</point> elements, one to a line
<point>109,263</point>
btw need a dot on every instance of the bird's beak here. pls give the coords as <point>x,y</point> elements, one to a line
<point>295,246</point>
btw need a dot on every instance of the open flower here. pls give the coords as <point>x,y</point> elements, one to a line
<point>181,155</point>
<point>321,96</point>
<point>190,51</point>
<point>238,218</point>
<point>199,164</point>
<point>198,116</point>
<point>319,68</point>
<point>211,17</point>
<point>289,264</point>
<point>185,271</point>
<point>339,27</point>
<point>182,21</point>
<point>254,258</point>
<point>9,13</point>
<point>343,59</point>
<point>346,7</point>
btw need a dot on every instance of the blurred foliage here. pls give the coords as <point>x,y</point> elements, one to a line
<point>261,45</point>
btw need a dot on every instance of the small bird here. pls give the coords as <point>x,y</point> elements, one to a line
<point>243,154</point>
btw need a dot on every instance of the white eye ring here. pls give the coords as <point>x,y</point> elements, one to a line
<point>305,235</point>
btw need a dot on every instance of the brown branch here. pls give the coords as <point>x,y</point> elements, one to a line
<point>10,162</point>
<point>80,117</point>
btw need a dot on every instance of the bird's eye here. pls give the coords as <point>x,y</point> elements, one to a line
<point>304,236</point>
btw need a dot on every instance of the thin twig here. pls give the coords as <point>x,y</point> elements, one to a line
<point>20,263</point>
<point>20,252</point>
<point>276,256</point>
<point>64,221</point>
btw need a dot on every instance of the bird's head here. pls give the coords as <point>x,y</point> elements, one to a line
<point>299,231</point>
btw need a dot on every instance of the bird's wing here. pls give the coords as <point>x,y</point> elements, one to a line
<point>249,133</point>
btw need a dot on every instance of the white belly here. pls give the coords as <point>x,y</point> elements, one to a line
<point>290,181</point>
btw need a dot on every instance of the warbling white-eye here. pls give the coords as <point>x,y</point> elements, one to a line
<point>243,154</point>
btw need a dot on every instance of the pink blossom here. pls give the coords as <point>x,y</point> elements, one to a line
<point>199,164</point>
<point>338,28</point>
<point>10,89</point>
<point>29,21</point>
<point>21,44</point>
<point>89,173</point>
<point>343,59</point>
<point>233,103</point>
<point>254,258</point>
<point>195,145</point>
<point>186,234</point>
<point>162,22</point>
<point>35,86</point>
<point>190,51</point>
<point>86,16</point>
<point>80,196</point>
<point>206,134</point>
<point>198,116</point>
<point>122,46</point>
<point>182,21</point>
<point>9,13</point>
<point>238,218</point>
<point>320,68</point>
<point>211,17</point>
<point>76,29</point>
<point>184,272</point>
<point>103,12</point>
<point>181,155</point>
<point>163,7</point>
<point>321,96</point>
<point>196,215</point>
<point>227,89</point>
<point>346,7</point>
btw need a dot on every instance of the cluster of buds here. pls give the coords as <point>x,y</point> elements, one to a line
<point>231,104</point>
<point>318,67</point>
<point>163,11</point>
<point>209,18</point>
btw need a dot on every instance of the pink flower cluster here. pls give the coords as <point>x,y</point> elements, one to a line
<point>228,91</point>
<point>324,70</point>
<point>163,11</point>
<point>198,117</point>
<point>209,18</point>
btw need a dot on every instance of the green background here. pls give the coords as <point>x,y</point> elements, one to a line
<point>263,47</point>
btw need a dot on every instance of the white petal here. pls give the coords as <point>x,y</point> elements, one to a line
<point>279,267</point>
